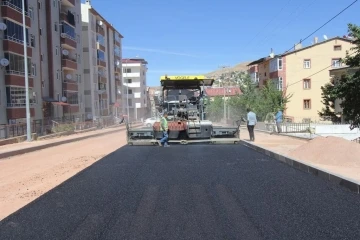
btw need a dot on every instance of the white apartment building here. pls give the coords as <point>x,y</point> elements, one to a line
<point>102,64</point>
<point>134,83</point>
<point>54,54</point>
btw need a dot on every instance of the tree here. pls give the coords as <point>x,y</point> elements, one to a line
<point>348,87</point>
<point>328,99</point>
<point>215,109</point>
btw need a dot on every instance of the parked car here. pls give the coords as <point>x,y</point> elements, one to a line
<point>149,122</point>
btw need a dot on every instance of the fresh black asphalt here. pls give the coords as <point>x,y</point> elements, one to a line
<point>189,192</point>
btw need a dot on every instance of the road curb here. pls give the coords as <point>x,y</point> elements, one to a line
<point>54,144</point>
<point>335,178</point>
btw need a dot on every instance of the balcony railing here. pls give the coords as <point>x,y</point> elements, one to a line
<point>20,73</point>
<point>10,5</point>
<point>10,38</point>
<point>21,103</point>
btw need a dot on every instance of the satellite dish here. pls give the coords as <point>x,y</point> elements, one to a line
<point>63,99</point>
<point>68,76</point>
<point>4,62</point>
<point>119,92</point>
<point>63,35</point>
<point>117,63</point>
<point>65,52</point>
<point>100,23</point>
<point>325,37</point>
<point>271,55</point>
<point>34,94</point>
<point>3,26</point>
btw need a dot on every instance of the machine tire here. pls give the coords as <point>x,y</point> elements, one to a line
<point>148,125</point>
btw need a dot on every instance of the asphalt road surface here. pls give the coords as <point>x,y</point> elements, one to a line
<point>189,192</point>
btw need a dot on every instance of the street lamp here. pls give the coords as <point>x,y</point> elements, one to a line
<point>28,116</point>
<point>223,83</point>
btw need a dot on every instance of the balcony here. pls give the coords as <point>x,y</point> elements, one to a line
<point>100,47</point>
<point>71,108</point>
<point>101,63</point>
<point>102,79</point>
<point>68,42</point>
<point>68,63</point>
<point>100,30</point>
<point>70,86</point>
<point>68,3</point>
<point>17,79</point>
<point>9,10</point>
<point>19,112</point>
<point>65,17</point>
<point>15,46</point>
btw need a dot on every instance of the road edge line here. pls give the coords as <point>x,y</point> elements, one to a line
<point>54,144</point>
<point>350,184</point>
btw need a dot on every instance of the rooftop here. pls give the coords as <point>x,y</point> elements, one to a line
<point>134,60</point>
<point>231,91</point>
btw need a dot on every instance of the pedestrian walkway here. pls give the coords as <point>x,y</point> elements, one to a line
<point>285,145</point>
<point>24,146</point>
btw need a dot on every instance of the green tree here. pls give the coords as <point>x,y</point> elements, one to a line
<point>328,99</point>
<point>348,87</point>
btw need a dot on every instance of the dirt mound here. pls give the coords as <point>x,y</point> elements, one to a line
<point>332,151</point>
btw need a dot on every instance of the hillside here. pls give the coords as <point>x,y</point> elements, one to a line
<point>239,67</point>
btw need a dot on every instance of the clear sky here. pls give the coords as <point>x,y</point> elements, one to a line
<point>197,36</point>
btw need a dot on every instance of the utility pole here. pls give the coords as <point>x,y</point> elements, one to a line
<point>27,101</point>
<point>223,82</point>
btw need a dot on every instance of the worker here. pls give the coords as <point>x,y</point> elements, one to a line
<point>251,122</point>
<point>165,130</point>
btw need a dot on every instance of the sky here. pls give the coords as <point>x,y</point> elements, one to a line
<point>191,37</point>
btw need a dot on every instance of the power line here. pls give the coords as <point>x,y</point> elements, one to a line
<point>324,24</point>
<point>315,73</point>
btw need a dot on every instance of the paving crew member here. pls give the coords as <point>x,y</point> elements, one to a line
<point>251,122</point>
<point>165,130</point>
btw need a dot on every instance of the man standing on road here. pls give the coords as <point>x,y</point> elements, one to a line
<point>251,122</point>
<point>164,128</point>
<point>278,120</point>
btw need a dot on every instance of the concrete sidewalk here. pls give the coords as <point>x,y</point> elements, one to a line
<point>25,147</point>
<point>280,147</point>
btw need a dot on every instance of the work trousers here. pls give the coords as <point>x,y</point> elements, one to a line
<point>251,132</point>
<point>165,139</point>
<point>278,126</point>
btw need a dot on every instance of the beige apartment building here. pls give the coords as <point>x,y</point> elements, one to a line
<point>102,65</point>
<point>302,72</point>
<point>54,54</point>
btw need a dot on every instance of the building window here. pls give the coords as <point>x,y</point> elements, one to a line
<point>129,91</point>
<point>307,83</point>
<point>68,30</point>
<point>280,64</point>
<point>129,80</point>
<point>39,5</point>
<point>16,64</point>
<point>32,40</point>
<point>71,97</point>
<point>307,63</point>
<point>56,26</point>
<point>307,104</point>
<point>31,12</point>
<point>101,55</point>
<point>42,57</point>
<point>336,62</point>
<point>16,96</point>
<point>57,75</point>
<point>54,3</point>
<point>40,31</point>
<point>337,48</point>
<point>130,102</point>
<point>100,39</point>
<point>56,50</point>
<point>33,69</point>
<point>78,78</point>
<point>127,70</point>
<point>280,84</point>
<point>14,32</point>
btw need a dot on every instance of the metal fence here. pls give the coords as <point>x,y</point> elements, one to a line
<point>48,126</point>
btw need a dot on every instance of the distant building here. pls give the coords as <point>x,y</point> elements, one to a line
<point>220,92</point>
<point>102,64</point>
<point>301,72</point>
<point>135,97</point>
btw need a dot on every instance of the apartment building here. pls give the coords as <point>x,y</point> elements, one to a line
<point>53,51</point>
<point>300,72</point>
<point>135,98</point>
<point>102,65</point>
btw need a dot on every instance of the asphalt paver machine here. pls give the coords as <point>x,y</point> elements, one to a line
<point>184,100</point>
